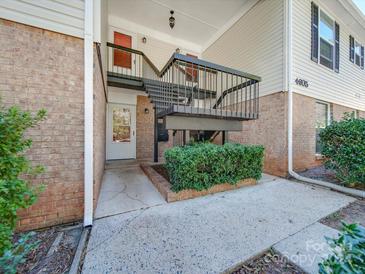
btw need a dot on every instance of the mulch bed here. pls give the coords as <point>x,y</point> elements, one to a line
<point>323,174</point>
<point>55,251</point>
<point>268,263</point>
<point>162,171</point>
<point>353,213</point>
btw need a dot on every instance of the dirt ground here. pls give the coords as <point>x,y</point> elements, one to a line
<point>323,174</point>
<point>55,251</point>
<point>162,171</point>
<point>268,263</point>
<point>353,213</point>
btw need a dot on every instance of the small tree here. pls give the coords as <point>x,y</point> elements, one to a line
<point>16,191</point>
<point>343,145</point>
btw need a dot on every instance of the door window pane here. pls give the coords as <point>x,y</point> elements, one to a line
<point>121,124</point>
<point>321,122</point>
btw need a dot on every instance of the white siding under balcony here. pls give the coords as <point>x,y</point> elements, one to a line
<point>64,16</point>
<point>344,88</point>
<point>255,44</point>
<point>159,51</point>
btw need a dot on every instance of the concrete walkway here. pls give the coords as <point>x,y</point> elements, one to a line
<point>208,234</point>
<point>126,189</point>
<point>308,247</point>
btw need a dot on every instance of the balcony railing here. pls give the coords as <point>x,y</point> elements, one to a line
<point>186,85</point>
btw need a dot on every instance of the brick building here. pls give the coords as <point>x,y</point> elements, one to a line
<point>103,70</point>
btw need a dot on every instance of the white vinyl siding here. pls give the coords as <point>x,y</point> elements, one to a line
<point>57,15</point>
<point>255,44</point>
<point>344,88</point>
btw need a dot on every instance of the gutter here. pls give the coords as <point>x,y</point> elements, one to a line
<point>88,113</point>
<point>288,78</point>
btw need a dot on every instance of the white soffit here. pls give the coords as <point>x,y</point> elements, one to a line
<point>198,22</point>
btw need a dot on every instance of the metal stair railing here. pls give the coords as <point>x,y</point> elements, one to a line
<point>189,86</point>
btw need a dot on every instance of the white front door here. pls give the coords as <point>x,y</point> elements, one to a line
<point>121,132</point>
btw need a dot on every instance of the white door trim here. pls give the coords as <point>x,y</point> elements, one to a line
<point>113,150</point>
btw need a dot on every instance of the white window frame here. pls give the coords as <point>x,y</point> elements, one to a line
<point>320,10</point>
<point>328,121</point>
<point>356,114</point>
<point>356,43</point>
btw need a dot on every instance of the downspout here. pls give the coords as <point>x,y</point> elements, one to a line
<point>88,113</point>
<point>289,52</point>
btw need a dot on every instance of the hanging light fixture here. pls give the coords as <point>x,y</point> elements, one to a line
<point>172,19</point>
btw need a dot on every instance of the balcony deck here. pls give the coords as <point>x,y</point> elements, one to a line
<point>180,110</point>
<point>188,86</point>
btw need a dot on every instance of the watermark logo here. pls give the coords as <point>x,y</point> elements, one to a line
<point>311,254</point>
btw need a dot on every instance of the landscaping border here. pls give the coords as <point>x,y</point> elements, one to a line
<point>164,186</point>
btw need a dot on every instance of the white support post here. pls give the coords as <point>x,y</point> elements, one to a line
<point>88,113</point>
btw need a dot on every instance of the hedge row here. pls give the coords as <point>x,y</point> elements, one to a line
<point>343,145</point>
<point>200,166</point>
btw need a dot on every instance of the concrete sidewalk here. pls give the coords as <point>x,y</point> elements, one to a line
<point>126,189</point>
<point>308,247</point>
<point>208,234</point>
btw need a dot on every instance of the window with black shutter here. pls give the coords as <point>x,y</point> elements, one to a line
<point>352,49</point>
<point>356,52</point>
<point>337,47</point>
<point>325,39</point>
<point>314,32</point>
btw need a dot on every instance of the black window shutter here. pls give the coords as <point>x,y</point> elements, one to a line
<point>352,49</point>
<point>314,40</point>
<point>362,57</point>
<point>337,47</point>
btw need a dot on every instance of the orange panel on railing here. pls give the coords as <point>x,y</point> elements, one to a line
<point>191,70</point>
<point>121,58</point>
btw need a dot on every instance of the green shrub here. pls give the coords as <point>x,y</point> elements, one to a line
<point>202,165</point>
<point>15,190</point>
<point>18,253</point>
<point>348,252</point>
<point>343,145</point>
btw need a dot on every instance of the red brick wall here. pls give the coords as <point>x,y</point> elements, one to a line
<point>338,112</point>
<point>43,69</point>
<point>270,131</point>
<point>145,128</point>
<point>304,132</point>
<point>304,142</point>
<point>57,142</point>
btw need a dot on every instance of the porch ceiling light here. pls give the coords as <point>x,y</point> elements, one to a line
<point>172,19</point>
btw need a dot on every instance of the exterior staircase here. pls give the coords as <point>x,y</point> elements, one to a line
<point>189,93</point>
